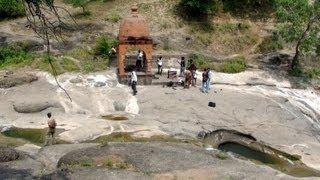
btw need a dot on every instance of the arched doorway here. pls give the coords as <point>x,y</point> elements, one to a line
<point>134,34</point>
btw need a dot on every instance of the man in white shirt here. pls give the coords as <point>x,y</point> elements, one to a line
<point>139,59</point>
<point>134,80</point>
<point>160,63</point>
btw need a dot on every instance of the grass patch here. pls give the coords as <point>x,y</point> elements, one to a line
<point>80,15</point>
<point>14,54</point>
<point>235,65</point>
<point>222,155</point>
<point>113,17</point>
<point>164,25</point>
<point>201,61</point>
<point>36,136</point>
<point>10,142</point>
<point>270,44</point>
<point>166,45</point>
<point>115,117</point>
<point>86,163</point>
<point>126,137</point>
<point>88,62</point>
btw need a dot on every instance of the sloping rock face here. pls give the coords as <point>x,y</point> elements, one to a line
<point>35,106</point>
<point>160,160</point>
<point>9,79</point>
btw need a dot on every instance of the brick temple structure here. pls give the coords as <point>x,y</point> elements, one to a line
<point>134,33</point>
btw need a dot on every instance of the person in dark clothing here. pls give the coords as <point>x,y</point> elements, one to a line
<point>182,66</point>
<point>193,68</point>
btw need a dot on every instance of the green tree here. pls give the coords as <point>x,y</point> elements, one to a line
<point>299,23</point>
<point>11,8</point>
<point>79,3</point>
<point>197,8</point>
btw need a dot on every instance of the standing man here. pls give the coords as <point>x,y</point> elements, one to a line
<point>182,66</point>
<point>52,128</point>
<point>193,68</point>
<point>160,63</point>
<point>139,59</point>
<point>205,80</point>
<point>134,80</point>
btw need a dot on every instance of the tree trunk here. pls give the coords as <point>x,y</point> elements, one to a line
<point>295,61</point>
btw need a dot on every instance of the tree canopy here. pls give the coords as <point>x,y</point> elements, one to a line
<point>299,22</point>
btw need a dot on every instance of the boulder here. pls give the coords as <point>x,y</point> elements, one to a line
<point>8,154</point>
<point>8,79</point>
<point>33,107</point>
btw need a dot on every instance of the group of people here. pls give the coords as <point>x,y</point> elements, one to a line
<point>187,73</point>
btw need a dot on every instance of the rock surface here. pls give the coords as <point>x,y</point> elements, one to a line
<point>8,79</point>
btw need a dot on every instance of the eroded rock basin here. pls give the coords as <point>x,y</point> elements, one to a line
<point>246,146</point>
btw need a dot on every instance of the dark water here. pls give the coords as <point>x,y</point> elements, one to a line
<point>293,168</point>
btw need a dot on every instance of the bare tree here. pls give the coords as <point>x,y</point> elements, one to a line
<point>47,21</point>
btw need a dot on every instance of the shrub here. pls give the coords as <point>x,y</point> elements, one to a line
<point>103,46</point>
<point>270,44</point>
<point>253,8</point>
<point>79,3</point>
<point>166,45</point>
<point>14,54</point>
<point>235,65</point>
<point>195,9</point>
<point>113,17</point>
<point>313,73</point>
<point>201,61</point>
<point>11,8</point>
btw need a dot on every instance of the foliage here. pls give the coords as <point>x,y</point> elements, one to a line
<point>252,8</point>
<point>299,22</point>
<point>201,61</point>
<point>235,65</point>
<point>195,9</point>
<point>313,73</point>
<point>166,45</point>
<point>270,44</point>
<point>14,54</point>
<point>79,3</point>
<point>222,155</point>
<point>113,17</point>
<point>104,45</point>
<point>11,8</point>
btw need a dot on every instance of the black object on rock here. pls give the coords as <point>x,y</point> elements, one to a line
<point>212,104</point>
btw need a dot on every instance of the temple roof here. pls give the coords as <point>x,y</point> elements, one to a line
<point>134,26</point>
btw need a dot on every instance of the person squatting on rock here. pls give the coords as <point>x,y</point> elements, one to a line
<point>133,81</point>
<point>193,68</point>
<point>182,66</point>
<point>160,63</point>
<point>139,60</point>
<point>52,129</point>
<point>205,81</point>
